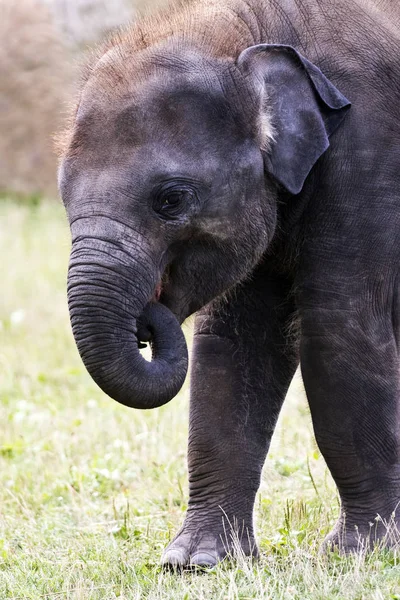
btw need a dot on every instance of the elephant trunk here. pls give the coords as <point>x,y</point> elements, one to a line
<point>108,299</point>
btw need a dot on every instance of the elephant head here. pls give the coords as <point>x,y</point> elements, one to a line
<point>170,177</point>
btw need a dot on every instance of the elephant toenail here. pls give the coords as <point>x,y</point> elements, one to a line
<point>174,559</point>
<point>203,559</point>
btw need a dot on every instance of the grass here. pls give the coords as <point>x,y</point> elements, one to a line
<point>91,492</point>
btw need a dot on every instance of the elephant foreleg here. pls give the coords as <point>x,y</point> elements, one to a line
<point>243,362</point>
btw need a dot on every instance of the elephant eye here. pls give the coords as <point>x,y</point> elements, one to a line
<point>170,203</point>
<point>172,199</point>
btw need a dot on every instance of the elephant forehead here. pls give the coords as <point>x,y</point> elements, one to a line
<point>178,128</point>
<point>160,93</point>
<point>166,112</point>
<point>184,114</point>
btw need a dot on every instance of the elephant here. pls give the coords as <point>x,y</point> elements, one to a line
<point>239,160</point>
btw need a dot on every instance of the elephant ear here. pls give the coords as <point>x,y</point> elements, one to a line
<point>305,108</point>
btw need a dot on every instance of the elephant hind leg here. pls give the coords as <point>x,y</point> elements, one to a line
<point>350,367</point>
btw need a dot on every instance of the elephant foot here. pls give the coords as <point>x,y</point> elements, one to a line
<point>347,537</point>
<point>204,545</point>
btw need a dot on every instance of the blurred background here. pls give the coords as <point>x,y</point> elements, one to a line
<point>42,44</point>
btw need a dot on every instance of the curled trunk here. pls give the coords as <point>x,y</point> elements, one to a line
<point>108,305</point>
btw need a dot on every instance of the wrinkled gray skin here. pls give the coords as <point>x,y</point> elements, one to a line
<point>179,201</point>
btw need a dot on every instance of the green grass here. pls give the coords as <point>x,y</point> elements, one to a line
<point>91,492</point>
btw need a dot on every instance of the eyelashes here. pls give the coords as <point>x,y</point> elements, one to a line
<point>174,201</point>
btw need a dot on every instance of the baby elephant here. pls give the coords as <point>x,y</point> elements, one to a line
<point>213,166</point>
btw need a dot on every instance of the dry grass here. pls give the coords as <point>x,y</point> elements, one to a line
<point>40,42</point>
<point>91,492</point>
<point>36,76</point>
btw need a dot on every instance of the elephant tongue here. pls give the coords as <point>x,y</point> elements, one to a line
<point>157,292</point>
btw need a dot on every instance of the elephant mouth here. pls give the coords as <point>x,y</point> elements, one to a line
<point>163,283</point>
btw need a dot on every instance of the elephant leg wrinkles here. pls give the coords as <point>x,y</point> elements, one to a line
<point>350,367</point>
<point>244,360</point>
